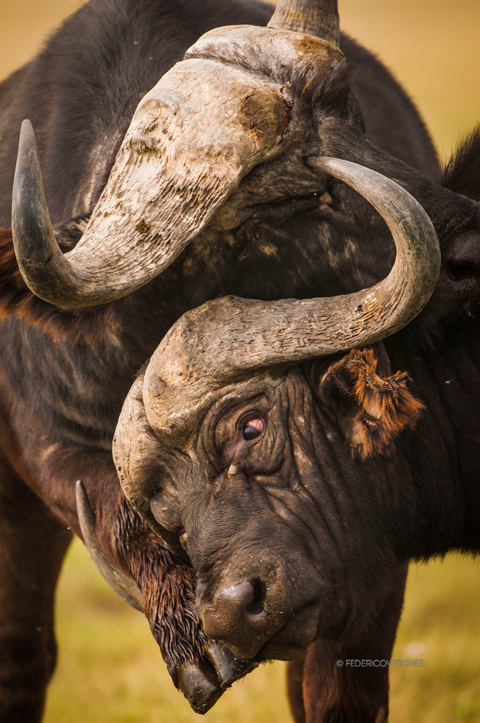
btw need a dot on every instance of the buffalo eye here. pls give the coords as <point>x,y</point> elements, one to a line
<point>253,429</point>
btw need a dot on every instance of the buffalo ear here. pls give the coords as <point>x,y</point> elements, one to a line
<point>461,262</point>
<point>461,254</point>
<point>372,405</point>
<point>462,172</point>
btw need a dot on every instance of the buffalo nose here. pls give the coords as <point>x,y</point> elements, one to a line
<point>237,616</point>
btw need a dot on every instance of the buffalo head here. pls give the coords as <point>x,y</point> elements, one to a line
<point>232,445</point>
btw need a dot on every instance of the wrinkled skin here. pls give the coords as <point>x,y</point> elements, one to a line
<point>270,497</point>
<point>345,456</point>
<point>253,511</point>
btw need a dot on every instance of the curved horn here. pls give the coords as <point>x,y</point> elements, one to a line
<point>184,153</point>
<point>182,156</point>
<point>227,339</point>
<point>315,17</point>
<point>118,581</point>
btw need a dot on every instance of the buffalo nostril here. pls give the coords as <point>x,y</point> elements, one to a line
<point>256,606</point>
<point>234,608</point>
<point>237,616</point>
<point>247,599</point>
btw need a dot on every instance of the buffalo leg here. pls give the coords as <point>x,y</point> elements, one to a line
<point>342,693</point>
<point>32,547</point>
<point>295,688</point>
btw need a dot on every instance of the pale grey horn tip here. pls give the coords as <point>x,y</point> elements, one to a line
<point>33,238</point>
<point>314,17</point>
<point>28,161</point>
<point>26,130</point>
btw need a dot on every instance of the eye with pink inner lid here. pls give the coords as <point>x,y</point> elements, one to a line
<point>253,429</point>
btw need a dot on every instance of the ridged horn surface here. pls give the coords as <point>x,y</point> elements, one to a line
<point>315,17</point>
<point>183,155</point>
<point>229,339</point>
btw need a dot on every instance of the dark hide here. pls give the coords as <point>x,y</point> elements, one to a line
<point>329,693</point>
<point>462,171</point>
<point>64,373</point>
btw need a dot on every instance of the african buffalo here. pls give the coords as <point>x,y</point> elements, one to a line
<point>165,194</point>
<point>301,480</point>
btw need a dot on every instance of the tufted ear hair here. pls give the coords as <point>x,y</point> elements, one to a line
<point>371,404</point>
<point>462,172</point>
<point>461,252</point>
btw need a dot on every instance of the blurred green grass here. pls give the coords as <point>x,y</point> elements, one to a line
<point>111,670</point>
<point>109,666</point>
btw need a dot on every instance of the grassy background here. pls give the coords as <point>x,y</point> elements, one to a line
<point>109,667</point>
<point>111,670</point>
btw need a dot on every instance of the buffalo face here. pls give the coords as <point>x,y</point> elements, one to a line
<point>282,501</point>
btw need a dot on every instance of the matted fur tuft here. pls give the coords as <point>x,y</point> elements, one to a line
<point>384,405</point>
<point>168,586</point>
<point>328,89</point>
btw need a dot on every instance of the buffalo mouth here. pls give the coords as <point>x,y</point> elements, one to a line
<point>294,637</point>
<point>203,683</point>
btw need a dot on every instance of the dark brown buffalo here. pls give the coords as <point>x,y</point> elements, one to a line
<point>219,185</point>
